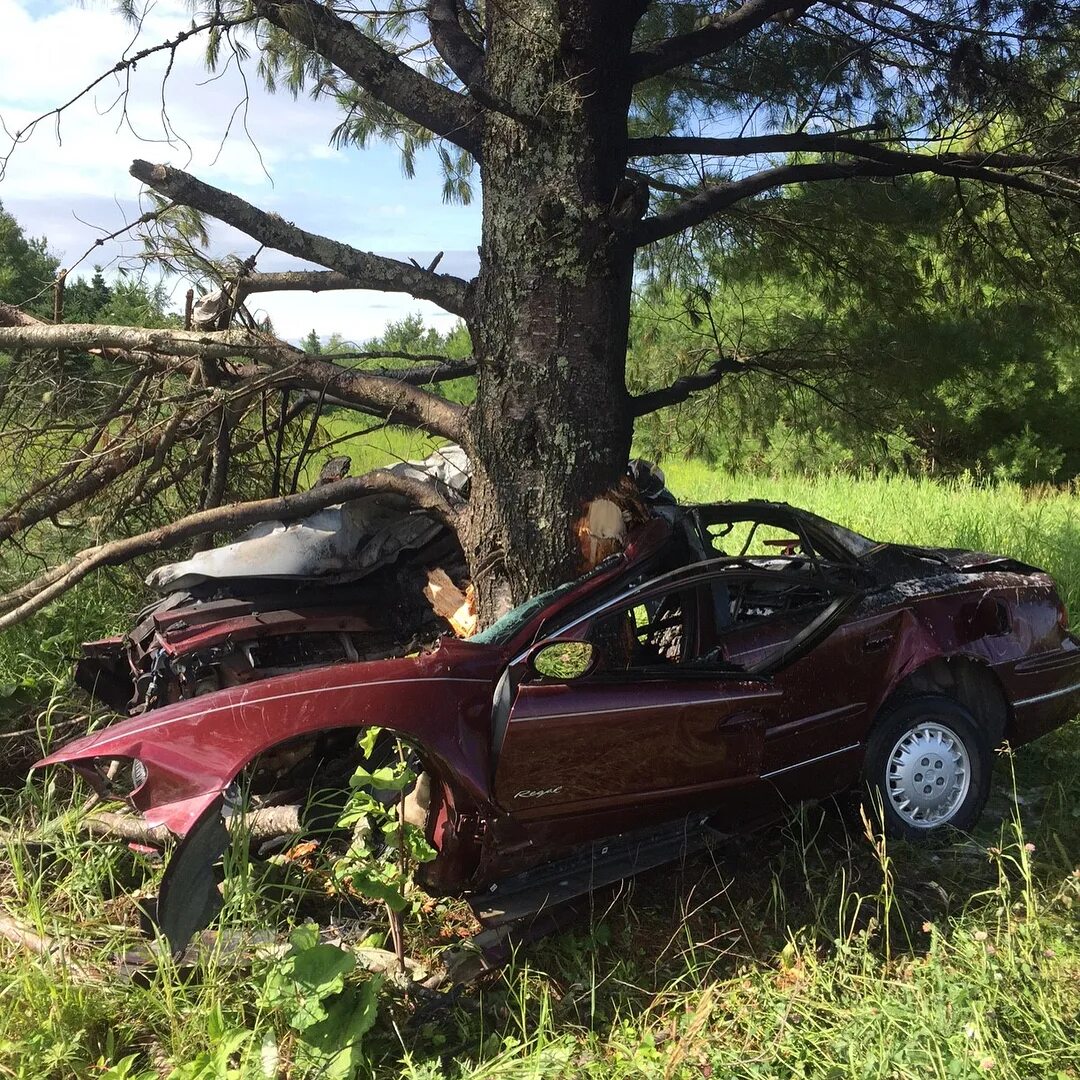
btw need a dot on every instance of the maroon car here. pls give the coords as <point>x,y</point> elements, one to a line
<point>733,661</point>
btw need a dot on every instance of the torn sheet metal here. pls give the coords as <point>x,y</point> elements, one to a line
<point>346,541</point>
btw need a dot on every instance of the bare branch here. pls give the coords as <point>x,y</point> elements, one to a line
<point>127,64</point>
<point>433,373</point>
<point>266,823</point>
<point>209,344</point>
<point>381,395</point>
<point>720,32</point>
<point>683,388</point>
<point>294,281</point>
<point>365,269</point>
<point>54,583</point>
<point>437,108</point>
<point>388,396</point>
<point>718,197</point>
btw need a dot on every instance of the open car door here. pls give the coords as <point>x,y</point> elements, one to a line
<point>656,703</point>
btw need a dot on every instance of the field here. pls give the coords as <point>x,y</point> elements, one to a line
<point>809,950</point>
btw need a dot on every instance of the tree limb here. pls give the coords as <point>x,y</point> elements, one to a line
<point>365,269</point>
<point>719,33</point>
<point>462,55</point>
<point>683,388</point>
<point>426,496</point>
<point>294,281</point>
<point>828,142</point>
<point>391,397</point>
<point>265,823</point>
<point>12,316</point>
<point>717,197</point>
<point>394,398</point>
<point>443,111</point>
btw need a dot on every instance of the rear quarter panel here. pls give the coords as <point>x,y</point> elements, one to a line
<point>1009,622</point>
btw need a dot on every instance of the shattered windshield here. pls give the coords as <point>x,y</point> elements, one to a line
<point>502,630</point>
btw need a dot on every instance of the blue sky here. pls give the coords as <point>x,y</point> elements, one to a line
<point>72,189</point>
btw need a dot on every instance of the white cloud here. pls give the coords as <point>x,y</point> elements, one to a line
<point>47,56</point>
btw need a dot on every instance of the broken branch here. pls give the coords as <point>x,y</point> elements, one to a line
<point>395,394</point>
<point>55,582</point>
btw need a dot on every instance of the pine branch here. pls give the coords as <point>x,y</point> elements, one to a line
<point>365,269</point>
<point>720,32</point>
<point>829,142</point>
<point>443,111</point>
<point>685,387</point>
<point>718,197</point>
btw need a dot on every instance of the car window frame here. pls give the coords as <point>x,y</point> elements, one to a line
<point>696,575</point>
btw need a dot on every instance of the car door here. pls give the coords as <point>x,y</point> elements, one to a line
<point>660,724</point>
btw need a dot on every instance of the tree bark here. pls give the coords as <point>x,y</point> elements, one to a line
<point>551,424</point>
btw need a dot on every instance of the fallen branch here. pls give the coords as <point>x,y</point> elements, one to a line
<point>365,268</point>
<point>260,825</point>
<point>12,316</point>
<point>392,395</point>
<point>29,940</point>
<point>55,582</point>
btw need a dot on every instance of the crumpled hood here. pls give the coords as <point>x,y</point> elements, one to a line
<point>346,541</point>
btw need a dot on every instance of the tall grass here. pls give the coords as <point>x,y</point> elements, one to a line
<point>811,949</point>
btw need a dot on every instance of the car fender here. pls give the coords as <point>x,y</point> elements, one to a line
<point>194,749</point>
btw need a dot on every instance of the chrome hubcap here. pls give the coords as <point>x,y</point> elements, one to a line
<point>927,775</point>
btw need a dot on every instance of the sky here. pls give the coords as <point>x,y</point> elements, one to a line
<point>72,185</point>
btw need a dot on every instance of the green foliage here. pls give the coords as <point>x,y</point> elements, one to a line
<point>385,848</point>
<point>330,1015</point>
<point>906,351</point>
<point>369,449</point>
<point>27,269</point>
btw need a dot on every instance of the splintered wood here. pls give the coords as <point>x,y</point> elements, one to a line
<point>601,531</point>
<point>450,603</point>
<point>603,526</point>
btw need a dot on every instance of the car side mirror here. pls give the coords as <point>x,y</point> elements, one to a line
<point>564,660</point>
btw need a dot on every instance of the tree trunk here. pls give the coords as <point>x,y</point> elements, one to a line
<point>551,425</point>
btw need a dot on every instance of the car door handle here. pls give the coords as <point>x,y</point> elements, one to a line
<point>732,725</point>
<point>878,642</point>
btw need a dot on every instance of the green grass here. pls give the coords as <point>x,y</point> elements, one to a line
<point>807,950</point>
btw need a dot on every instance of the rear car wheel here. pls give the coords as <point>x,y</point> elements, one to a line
<point>928,767</point>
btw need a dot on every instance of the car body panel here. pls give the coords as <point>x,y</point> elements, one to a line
<point>740,725</point>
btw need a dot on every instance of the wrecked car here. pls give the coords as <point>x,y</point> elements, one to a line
<point>345,584</point>
<point>732,661</point>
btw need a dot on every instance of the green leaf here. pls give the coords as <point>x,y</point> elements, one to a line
<point>366,742</point>
<point>370,884</point>
<point>335,1046</point>
<point>304,937</point>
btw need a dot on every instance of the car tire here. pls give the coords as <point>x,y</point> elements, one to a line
<point>927,768</point>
